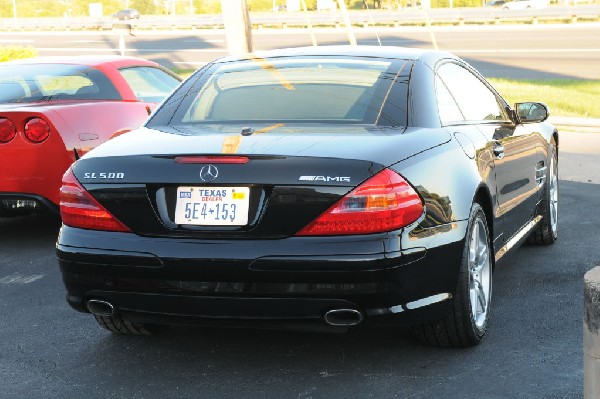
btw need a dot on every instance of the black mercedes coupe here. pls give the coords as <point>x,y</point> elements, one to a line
<point>320,188</point>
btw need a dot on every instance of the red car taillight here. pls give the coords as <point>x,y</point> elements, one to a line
<point>37,130</point>
<point>212,159</point>
<point>79,209</point>
<point>8,130</point>
<point>385,202</point>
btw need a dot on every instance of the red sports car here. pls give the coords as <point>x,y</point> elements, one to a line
<point>54,109</point>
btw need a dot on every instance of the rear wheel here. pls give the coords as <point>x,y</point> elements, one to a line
<point>117,325</point>
<point>546,232</point>
<point>467,323</point>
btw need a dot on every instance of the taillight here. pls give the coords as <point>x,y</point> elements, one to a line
<point>37,130</point>
<point>212,159</point>
<point>79,209</point>
<point>385,202</point>
<point>8,130</point>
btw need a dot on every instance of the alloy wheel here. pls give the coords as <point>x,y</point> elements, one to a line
<point>480,277</point>
<point>553,195</point>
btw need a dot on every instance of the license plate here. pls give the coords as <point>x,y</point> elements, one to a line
<point>212,206</point>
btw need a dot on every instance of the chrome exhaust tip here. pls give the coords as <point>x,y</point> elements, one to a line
<point>100,308</point>
<point>343,317</point>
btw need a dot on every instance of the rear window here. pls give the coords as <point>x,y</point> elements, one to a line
<point>149,84</point>
<point>44,82</point>
<point>300,89</point>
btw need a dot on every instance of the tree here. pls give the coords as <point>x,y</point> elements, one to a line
<point>146,7</point>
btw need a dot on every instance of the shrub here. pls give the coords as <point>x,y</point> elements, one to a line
<point>8,53</point>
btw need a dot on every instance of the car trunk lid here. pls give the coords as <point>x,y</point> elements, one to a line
<point>288,180</point>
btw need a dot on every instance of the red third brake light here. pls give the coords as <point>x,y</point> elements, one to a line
<point>79,209</point>
<point>212,159</point>
<point>385,202</point>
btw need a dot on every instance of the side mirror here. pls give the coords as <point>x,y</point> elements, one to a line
<point>531,112</point>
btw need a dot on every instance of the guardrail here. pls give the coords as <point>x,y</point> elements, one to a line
<point>396,18</point>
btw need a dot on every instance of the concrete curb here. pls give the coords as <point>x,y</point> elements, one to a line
<point>591,335</point>
<point>590,123</point>
<point>571,124</point>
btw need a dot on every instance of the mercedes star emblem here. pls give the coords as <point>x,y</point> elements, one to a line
<point>209,173</point>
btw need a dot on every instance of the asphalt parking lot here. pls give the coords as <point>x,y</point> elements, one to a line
<point>533,349</point>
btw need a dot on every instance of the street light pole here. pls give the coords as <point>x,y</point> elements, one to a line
<point>238,30</point>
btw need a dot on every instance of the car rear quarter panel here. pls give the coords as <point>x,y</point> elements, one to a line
<point>84,126</point>
<point>448,182</point>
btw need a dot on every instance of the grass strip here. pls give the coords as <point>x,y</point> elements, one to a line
<point>564,97</point>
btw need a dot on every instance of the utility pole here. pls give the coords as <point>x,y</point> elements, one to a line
<point>310,27</point>
<point>14,9</point>
<point>237,26</point>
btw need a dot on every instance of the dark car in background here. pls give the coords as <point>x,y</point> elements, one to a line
<point>321,187</point>
<point>524,4</point>
<point>127,14</point>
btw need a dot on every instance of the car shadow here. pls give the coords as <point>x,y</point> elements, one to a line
<point>191,51</point>
<point>483,63</point>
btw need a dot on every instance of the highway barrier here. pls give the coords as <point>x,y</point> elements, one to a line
<point>359,19</point>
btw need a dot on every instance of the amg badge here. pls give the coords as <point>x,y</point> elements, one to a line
<point>325,178</point>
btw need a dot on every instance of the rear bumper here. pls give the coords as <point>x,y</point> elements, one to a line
<point>34,171</point>
<point>293,280</point>
<point>16,202</point>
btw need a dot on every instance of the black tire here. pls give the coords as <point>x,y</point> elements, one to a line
<point>460,328</point>
<point>546,232</point>
<point>117,325</point>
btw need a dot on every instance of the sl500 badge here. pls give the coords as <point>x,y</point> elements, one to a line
<point>104,175</point>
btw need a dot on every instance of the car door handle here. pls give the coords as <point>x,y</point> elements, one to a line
<point>498,150</point>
